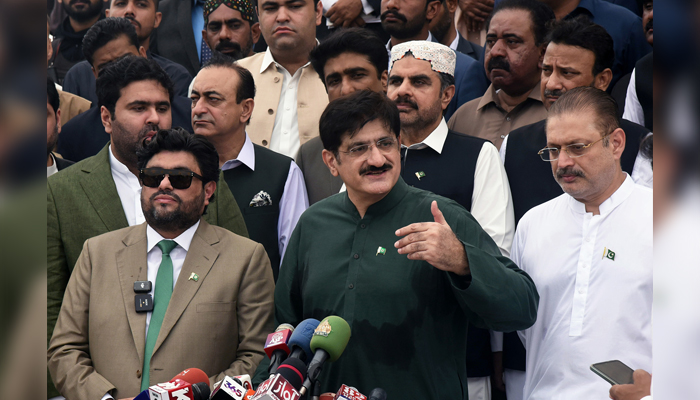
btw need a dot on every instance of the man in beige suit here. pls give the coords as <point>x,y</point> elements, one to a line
<point>291,96</point>
<point>212,289</point>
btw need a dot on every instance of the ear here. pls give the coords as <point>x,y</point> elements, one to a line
<point>209,189</point>
<point>543,49</point>
<point>106,118</point>
<point>107,13</point>
<point>255,32</point>
<point>93,71</point>
<point>142,51</point>
<point>618,140</point>
<point>159,17</point>
<point>432,10</point>
<point>603,79</point>
<point>331,162</point>
<point>205,36</point>
<point>452,5</point>
<point>385,80</point>
<point>58,120</point>
<point>248,105</point>
<point>319,12</point>
<point>447,96</point>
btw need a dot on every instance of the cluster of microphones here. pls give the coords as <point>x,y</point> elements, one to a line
<point>297,356</point>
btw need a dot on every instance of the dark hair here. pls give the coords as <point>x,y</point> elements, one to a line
<point>121,72</point>
<point>246,83</point>
<point>53,97</point>
<point>352,40</point>
<point>588,98</point>
<point>582,32</point>
<point>178,139</point>
<point>104,31</point>
<point>156,2</point>
<point>540,13</point>
<point>346,115</point>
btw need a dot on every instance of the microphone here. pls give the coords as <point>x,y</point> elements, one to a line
<point>349,393</point>
<point>284,384</point>
<point>377,394</point>
<point>300,342</point>
<point>249,395</point>
<point>276,346</point>
<point>328,343</point>
<point>178,389</point>
<point>245,381</point>
<point>190,375</point>
<point>229,388</point>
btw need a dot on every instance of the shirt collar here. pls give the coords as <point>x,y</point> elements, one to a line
<point>381,207</point>
<point>184,240</point>
<point>246,156</point>
<point>455,43</point>
<point>118,167</point>
<point>269,59</point>
<point>429,39</point>
<point>620,195</point>
<point>436,139</point>
<point>491,97</point>
<point>53,168</point>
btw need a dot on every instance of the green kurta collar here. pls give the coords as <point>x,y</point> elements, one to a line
<point>397,193</point>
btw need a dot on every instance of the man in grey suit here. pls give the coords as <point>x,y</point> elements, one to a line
<point>212,290</point>
<point>348,60</point>
<point>101,193</point>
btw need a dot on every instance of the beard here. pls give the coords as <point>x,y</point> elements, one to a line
<point>126,144</point>
<point>421,118</point>
<point>91,11</point>
<point>234,50</point>
<point>184,216</point>
<point>51,141</point>
<point>442,26</point>
<point>405,29</point>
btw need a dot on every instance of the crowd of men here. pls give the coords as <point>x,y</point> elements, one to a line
<point>480,213</point>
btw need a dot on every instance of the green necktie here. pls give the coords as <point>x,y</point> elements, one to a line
<point>161,298</point>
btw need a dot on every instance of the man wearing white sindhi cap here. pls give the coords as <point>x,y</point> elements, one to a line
<point>463,168</point>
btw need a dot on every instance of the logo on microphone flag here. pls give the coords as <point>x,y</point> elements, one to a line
<point>277,338</point>
<point>324,329</point>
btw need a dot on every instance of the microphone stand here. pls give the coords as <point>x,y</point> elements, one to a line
<point>316,393</point>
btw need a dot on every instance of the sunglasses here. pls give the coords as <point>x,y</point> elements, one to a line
<point>179,178</point>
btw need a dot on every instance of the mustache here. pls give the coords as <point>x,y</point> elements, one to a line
<point>396,15</point>
<point>166,193</point>
<point>555,93</point>
<point>498,63</point>
<point>649,25</point>
<point>72,2</point>
<point>406,100</point>
<point>132,20</point>
<point>227,45</point>
<point>569,171</point>
<point>372,168</point>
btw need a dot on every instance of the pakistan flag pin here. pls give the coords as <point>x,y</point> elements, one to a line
<point>420,174</point>
<point>381,250</point>
<point>607,253</point>
<point>193,277</point>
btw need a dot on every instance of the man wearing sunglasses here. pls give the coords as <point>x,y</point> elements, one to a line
<point>212,290</point>
<point>589,252</point>
<point>101,193</point>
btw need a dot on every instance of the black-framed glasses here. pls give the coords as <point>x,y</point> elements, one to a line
<point>179,178</point>
<point>384,145</point>
<point>573,150</point>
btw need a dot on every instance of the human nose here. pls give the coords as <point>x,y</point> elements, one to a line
<point>165,183</point>
<point>564,159</point>
<point>153,117</point>
<point>225,33</point>
<point>198,107</point>
<point>375,157</point>
<point>282,14</point>
<point>554,82</point>
<point>346,87</point>
<point>390,4</point>
<point>498,49</point>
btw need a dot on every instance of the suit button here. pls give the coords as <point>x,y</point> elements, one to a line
<point>264,142</point>
<point>138,373</point>
<point>356,256</point>
<point>277,79</point>
<point>270,111</point>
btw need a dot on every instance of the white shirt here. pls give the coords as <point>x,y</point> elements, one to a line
<point>294,199</point>
<point>492,204</point>
<point>455,43</point>
<point>154,257</point>
<point>642,173</point>
<point>53,168</point>
<point>592,308</point>
<point>633,109</point>
<point>285,134</point>
<point>128,189</point>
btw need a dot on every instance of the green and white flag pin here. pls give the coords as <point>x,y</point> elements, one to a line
<point>420,174</point>
<point>194,277</point>
<point>607,253</point>
<point>381,250</point>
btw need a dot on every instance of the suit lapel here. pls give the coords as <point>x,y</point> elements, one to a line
<point>132,266</point>
<point>200,258</point>
<point>100,189</point>
<point>184,19</point>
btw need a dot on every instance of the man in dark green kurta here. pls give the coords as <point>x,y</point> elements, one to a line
<point>406,285</point>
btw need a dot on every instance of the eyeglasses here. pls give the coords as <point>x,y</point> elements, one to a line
<point>179,178</point>
<point>385,145</point>
<point>573,150</point>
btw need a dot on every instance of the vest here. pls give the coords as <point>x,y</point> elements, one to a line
<point>644,81</point>
<point>451,175</point>
<point>270,176</point>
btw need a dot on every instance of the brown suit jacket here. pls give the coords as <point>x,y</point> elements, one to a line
<point>218,323</point>
<point>312,99</point>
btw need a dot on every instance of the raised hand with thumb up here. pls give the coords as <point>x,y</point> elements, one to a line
<point>435,243</point>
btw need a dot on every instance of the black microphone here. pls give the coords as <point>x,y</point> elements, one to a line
<point>377,394</point>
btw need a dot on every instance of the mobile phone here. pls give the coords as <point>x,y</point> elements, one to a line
<point>615,372</point>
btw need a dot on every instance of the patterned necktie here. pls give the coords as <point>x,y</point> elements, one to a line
<point>161,298</point>
<point>206,52</point>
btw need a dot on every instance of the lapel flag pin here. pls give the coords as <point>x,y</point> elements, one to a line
<point>607,253</point>
<point>420,174</point>
<point>194,277</point>
<point>381,250</point>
